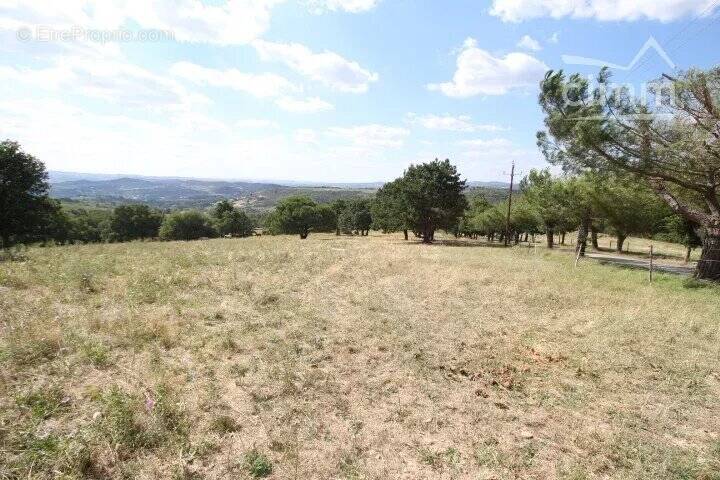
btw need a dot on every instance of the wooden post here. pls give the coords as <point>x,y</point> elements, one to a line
<point>577,258</point>
<point>610,244</point>
<point>507,220</point>
<point>651,263</point>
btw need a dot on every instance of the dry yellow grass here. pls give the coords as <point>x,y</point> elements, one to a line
<point>346,357</point>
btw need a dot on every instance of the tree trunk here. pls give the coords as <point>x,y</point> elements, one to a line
<point>582,237</point>
<point>620,242</point>
<point>337,230</point>
<point>517,238</point>
<point>550,237</point>
<point>594,237</point>
<point>5,241</point>
<point>688,252</point>
<point>526,237</point>
<point>405,233</point>
<point>708,268</point>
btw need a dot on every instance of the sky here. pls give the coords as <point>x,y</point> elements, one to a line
<point>316,90</point>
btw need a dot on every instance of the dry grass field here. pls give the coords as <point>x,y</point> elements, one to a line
<point>355,358</point>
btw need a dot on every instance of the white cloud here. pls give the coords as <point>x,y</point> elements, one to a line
<point>493,143</point>
<point>328,68</point>
<point>460,123</point>
<point>307,105</point>
<point>480,73</point>
<point>351,6</point>
<point>371,135</point>
<point>253,123</point>
<point>529,43</point>
<point>603,10</point>
<point>305,135</point>
<point>554,38</point>
<point>111,79</point>
<point>262,85</point>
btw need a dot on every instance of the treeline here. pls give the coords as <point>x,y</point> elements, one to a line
<point>620,206</point>
<point>428,197</point>
<point>667,141</point>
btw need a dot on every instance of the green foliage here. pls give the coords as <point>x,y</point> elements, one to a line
<point>257,464</point>
<point>230,221</point>
<point>131,222</point>
<point>550,198</point>
<point>678,157</point>
<point>42,403</point>
<point>295,215</point>
<point>187,225</point>
<point>327,219</point>
<point>628,206</point>
<point>23,193</point>
<point>356,217</point>
<point>680,230</point>
<point>431,197</point>
<point>387,210</point>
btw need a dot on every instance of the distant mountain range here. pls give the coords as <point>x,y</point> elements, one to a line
<point>177,192</point>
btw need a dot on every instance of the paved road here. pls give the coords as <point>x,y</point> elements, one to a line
<point>634,263</point>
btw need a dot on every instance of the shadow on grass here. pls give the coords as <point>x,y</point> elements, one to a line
<point>453,243</point>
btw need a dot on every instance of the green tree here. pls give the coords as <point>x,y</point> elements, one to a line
<point>187,225</point>
<point>628,207</point>
<point>296,215</point>
<point>235,223</point>
<point>388,209</point>
<point>524,218</point>
<point>23,193</point>
<point>223,207</point>
<point>672,143</point>
<point>680,230</point>
<point>338,207</point>
<point>327,219</point>
<point>356,217</point>
<point>432,197</point>
<point>229,221</point>
<point>490,221</point>
<point>131,222</point>
<point>549,198</point>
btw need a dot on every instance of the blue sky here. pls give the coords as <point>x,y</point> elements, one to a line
<point>314,90</point>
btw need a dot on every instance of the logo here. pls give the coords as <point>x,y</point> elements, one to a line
<point>650,95</point>
<point>651,43</point>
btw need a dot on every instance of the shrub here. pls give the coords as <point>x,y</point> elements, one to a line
<point>258,465</point>
<point>235,223</point>
<point>188,225</point>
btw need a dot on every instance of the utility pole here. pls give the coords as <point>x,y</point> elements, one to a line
<point>507,220</point>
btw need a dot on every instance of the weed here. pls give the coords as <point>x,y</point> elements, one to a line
<point>257,464</point>
<point>225,424</point>
<point>43,403</point>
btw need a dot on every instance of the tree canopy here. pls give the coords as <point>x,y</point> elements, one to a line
<point>296,215</point>
<point>23,193</point>
<point>431,197</point>
<point>672,143</point>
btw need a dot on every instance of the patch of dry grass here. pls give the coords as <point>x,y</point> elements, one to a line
<point>340,357</point>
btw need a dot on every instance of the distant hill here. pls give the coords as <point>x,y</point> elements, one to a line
<point>168,192</point>
<point>186,193</point>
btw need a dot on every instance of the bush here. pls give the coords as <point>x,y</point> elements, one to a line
<point>131,222</point>
<point>188,225</point>
<point>295,215</point>
<point>231,221</point>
